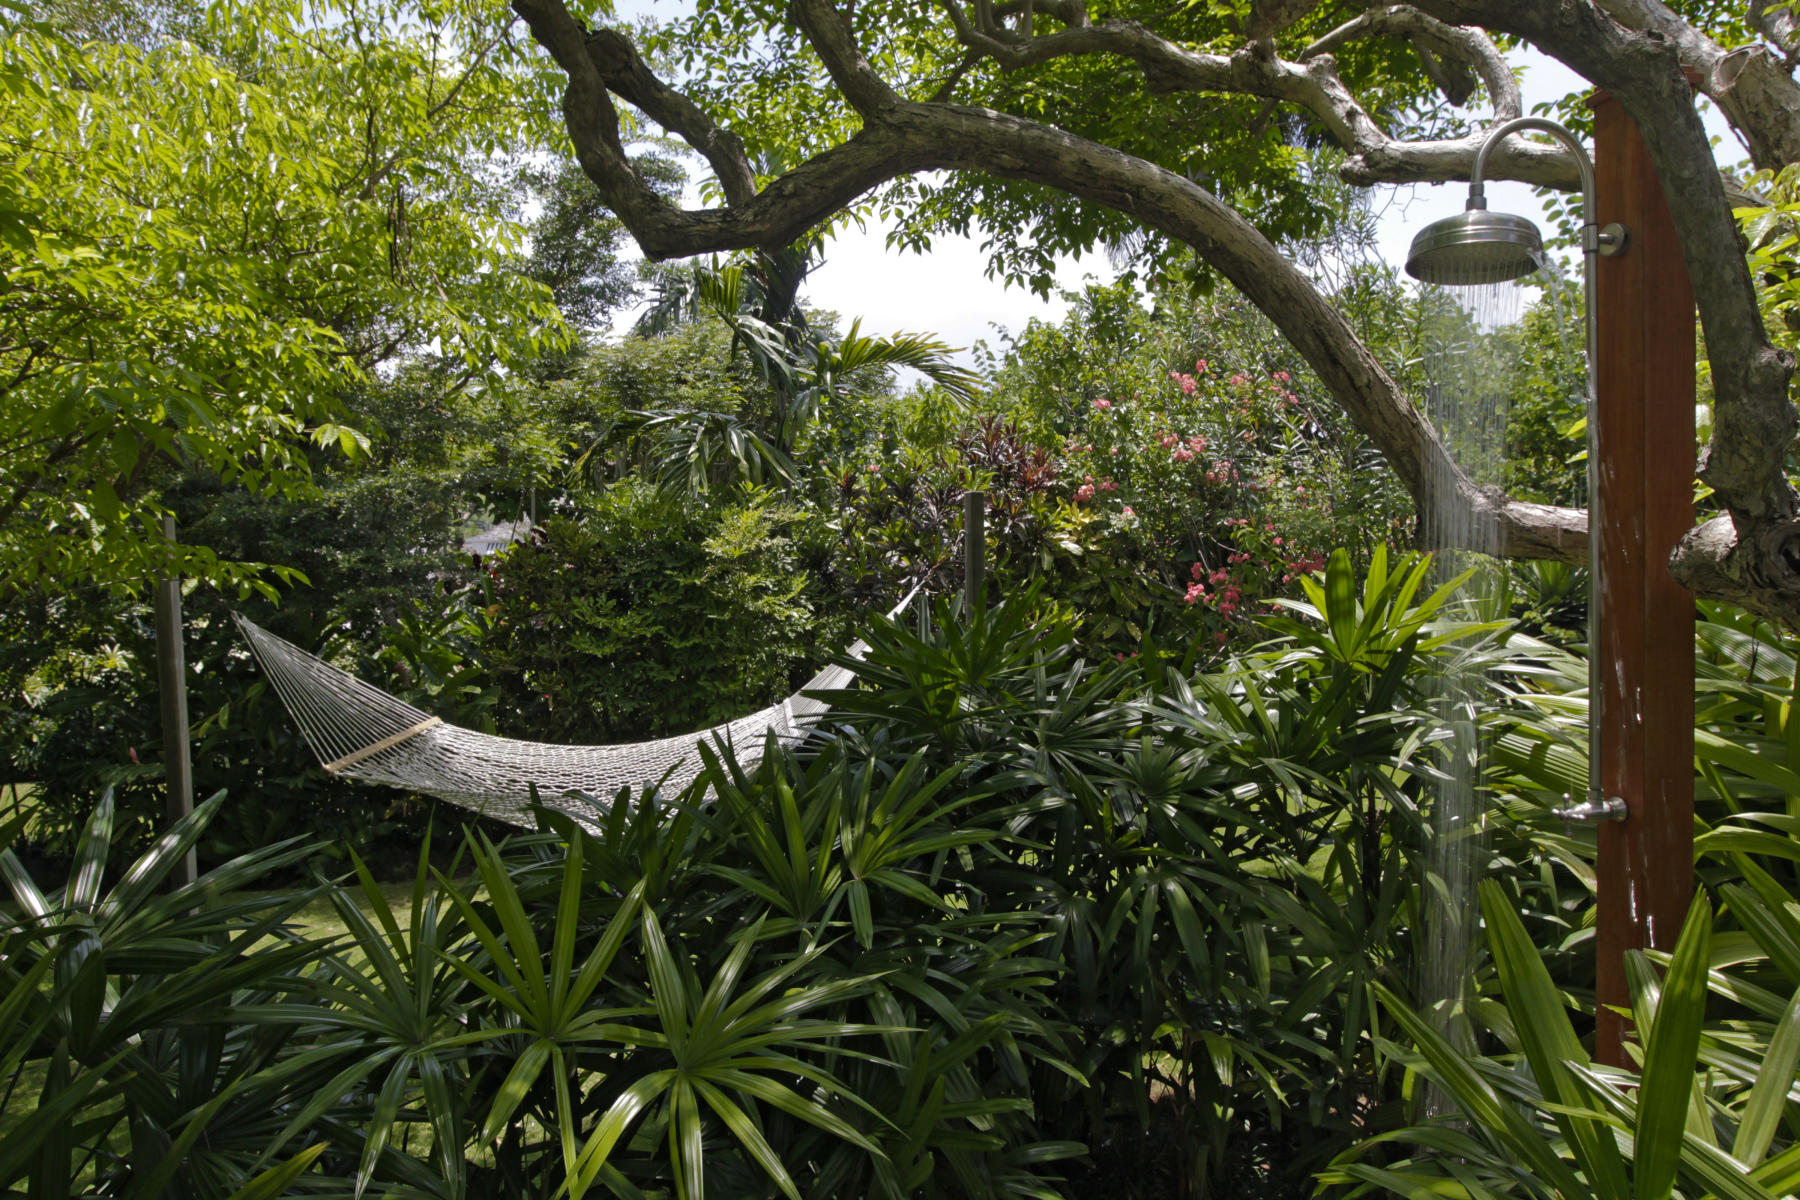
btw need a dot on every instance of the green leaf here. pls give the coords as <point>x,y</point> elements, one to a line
<point>1551,1045</point>
<point>1340,603</point>
<point>1760,1116</point>
<point>1668,1077</point>
<point>276,1181</point>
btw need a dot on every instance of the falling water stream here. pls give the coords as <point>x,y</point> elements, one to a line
<point>1467,378</point>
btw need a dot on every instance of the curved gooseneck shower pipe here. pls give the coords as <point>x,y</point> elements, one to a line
<point>1479,247</point>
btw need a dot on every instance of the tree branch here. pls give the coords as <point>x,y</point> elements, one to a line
<point>623,71</point>
<point>1777,23</point>
<point>1754,91</point>
<point>1470,47</point>
<point>1312,84</point>
<point>588,112</point>
<point>1752,557</point>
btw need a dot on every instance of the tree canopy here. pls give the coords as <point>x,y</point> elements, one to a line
<point>1060,124</point>
<point>212,227</point>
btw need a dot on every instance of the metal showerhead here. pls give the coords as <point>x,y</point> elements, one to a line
<point>1475,247</point>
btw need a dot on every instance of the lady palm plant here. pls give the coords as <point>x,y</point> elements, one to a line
<point>1008,909</point>
<point>1709,1106</point>
<point>1219,869</point>
<point>161,1025</point>
<point>389,1018</point>
<point>1544,1120</point>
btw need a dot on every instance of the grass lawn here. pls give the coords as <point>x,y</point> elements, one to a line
<point>320,918</point>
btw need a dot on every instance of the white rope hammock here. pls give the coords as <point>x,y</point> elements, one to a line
<point>360,732</point>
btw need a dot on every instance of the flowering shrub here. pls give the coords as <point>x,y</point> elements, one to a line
<point>1201,473</point>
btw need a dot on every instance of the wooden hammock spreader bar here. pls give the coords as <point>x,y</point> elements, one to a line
<point>386,743</point>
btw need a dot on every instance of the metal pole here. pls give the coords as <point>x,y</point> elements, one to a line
<point>171,680</point>
<point>974,551</point>
<point>1595,241</point>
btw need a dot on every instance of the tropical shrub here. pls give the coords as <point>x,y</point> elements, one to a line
<point>1202,467</point>
<point>652,615</point>
<point>158,1029</point>
<point>82,710</point>
<point>898,516</point>
<point>1017,923</point>
<point>1222,870</point>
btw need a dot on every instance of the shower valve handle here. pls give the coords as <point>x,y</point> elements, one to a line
<point>1593,811</point>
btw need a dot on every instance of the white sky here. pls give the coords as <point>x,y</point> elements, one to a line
<point>947,293</point>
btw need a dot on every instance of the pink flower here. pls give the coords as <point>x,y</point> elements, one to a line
<point>1195,593</point>
<point>1218,577</point>
<point>1200,366</point>
<point>873,468</point>
<point>1219,637</point>
<point>1282,376</point>
<point>1278,541</point>
<point>1196,443</point>
<point>1084,493</point>
<point>1114,452</point>
<point>1087,479</point>
<point>1126,512</point>
<point>1196,571</point>
<point>1167,440</point>
<point>1183,454</point>
<point>1103,404</point>
<point>1188,386</point>
<point>1107,485</point>
<point>1239,380</point>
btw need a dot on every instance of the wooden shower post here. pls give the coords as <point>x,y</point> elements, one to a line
<point>1644,415</point>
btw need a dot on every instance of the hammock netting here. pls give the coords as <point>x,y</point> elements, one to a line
<point>360,732</point>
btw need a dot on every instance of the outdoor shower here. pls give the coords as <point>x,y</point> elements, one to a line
<point>1478,247</point>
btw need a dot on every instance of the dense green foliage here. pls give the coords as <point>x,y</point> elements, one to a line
<point>375,540</point>
<point>189,294</point>
<point>1021,925</point>
<point>651,616</point>
<point>1707,1104</point>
